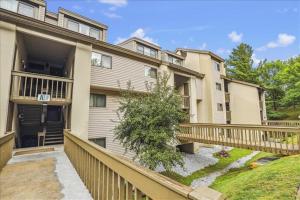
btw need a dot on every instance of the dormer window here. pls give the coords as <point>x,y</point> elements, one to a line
<point>26,9</point>
<point>146,51</point>
<point>19,7</point>
<point>83,29</point>
<point>174,60</point>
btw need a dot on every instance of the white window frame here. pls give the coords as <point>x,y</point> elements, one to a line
<point>26,4</point>
<point>220,107</point>
<point>217,66</point>
<point>97,106</point>
<point>148,70</point>
<point>219,86</point>
<point>101,60</point>
<point>73,21</point>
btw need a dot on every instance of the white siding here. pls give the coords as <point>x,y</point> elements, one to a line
<point>123,70</point>
<point>102,122</point>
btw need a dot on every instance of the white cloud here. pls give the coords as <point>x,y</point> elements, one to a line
<point>118,3</point>
<point>256,61</point>
<point>203,46</point>
<point>283,40</point>
<point>139,33</point>
<point>76,7</point>
<point>111,15</point>
<point>235,37</point>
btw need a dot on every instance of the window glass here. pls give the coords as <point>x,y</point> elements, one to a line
<point>72,25</point>
<point>11,5</point>
<point>140,49</point>
<point>150,72</point>
<point>97,100</point>
<point>106,61</point>
<point>218,86</point>
<point>95,33</point>
<point>99,141</point>
<point>84,29</point>
<point>25,9</point>
<point>96,59</point>
<point>217,66</point>
<point>153,53</point>
<point>220,107</point>
<point>146,51</point>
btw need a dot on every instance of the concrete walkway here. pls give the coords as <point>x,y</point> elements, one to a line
<point>46,175</point>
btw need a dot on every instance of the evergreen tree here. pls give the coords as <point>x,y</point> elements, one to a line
<point>148,123</point>
<point>240,64</point>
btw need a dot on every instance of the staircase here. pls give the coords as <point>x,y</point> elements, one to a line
<point>54,133</point>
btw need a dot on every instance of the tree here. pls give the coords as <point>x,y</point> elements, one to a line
<point>290,76</point>
<point>268,73</point>
<point>240,64</point>
<point>148,123</point>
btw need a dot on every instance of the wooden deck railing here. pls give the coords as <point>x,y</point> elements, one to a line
<point>287,123</point>
<point>227,97</point>
<point>108,176</point>
<point>27,86</point>
<point>282,140</point>
<point>6,148</point>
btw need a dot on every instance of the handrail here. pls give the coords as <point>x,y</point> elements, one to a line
<point>6,148</point>
<point>286,123</point>
<point>283,140</point>
<point>41,76</point>
<point>107,175</point>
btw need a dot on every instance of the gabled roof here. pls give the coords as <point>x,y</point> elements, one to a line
<point>241,82</point>
<point>173,54</point>
<point>136,39</point>
<point>213,55</point>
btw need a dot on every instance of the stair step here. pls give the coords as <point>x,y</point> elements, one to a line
<point>54,142</point>
<point>53,138</point>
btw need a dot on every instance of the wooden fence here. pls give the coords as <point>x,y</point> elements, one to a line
<point>287,123</point>
<point>282,140</point>
<point>6,148</point>
<point>108,176</point>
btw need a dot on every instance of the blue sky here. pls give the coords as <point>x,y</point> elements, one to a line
<point>272,28</point>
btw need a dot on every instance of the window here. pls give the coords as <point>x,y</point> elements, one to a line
<point>174,60</point>
<point>100,60</point>
<point>84,29</point>
<point>95,33</point>
<point>219,86</point>
<point>99,141</point>
<point>98,100</point>
<point>11,5</point>
<point>25,9</point>
<point>217,66</point>
<point>220,107</point>
<point>150,72</point>
<point>146,51</point>
<point>72,25</point>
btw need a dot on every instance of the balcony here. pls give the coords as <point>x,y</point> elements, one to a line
<point>185,102</point>
<point>27,87</point>
<point>227,97</point>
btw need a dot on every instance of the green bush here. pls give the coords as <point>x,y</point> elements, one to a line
<point>275,115</point>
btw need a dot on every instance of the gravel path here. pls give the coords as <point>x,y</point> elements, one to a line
<point>193,162</point>
<point>209,179</point>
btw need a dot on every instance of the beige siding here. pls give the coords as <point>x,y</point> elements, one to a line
<point>102,122</point>
<point>244,104</point>
<point>123,70</point>
<point>51,21</point>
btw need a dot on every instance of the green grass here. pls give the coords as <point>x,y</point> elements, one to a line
<point>235,154</point>
<point>276,180</point>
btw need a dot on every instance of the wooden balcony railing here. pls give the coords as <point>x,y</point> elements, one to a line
<point>108,176</point>
<point>284,123</point>
<point>27,86</point>
<point>282,140</point>
<point>6,148</point>
<point>185,102</point>
<point>227,97</point>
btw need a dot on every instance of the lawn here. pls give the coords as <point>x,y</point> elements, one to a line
<point>276,180</point>
<point>235,154</point>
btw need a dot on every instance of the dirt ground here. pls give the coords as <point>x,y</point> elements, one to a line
<point>30,180</point>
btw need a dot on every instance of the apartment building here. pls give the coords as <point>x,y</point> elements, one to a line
<point>59,72</point>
